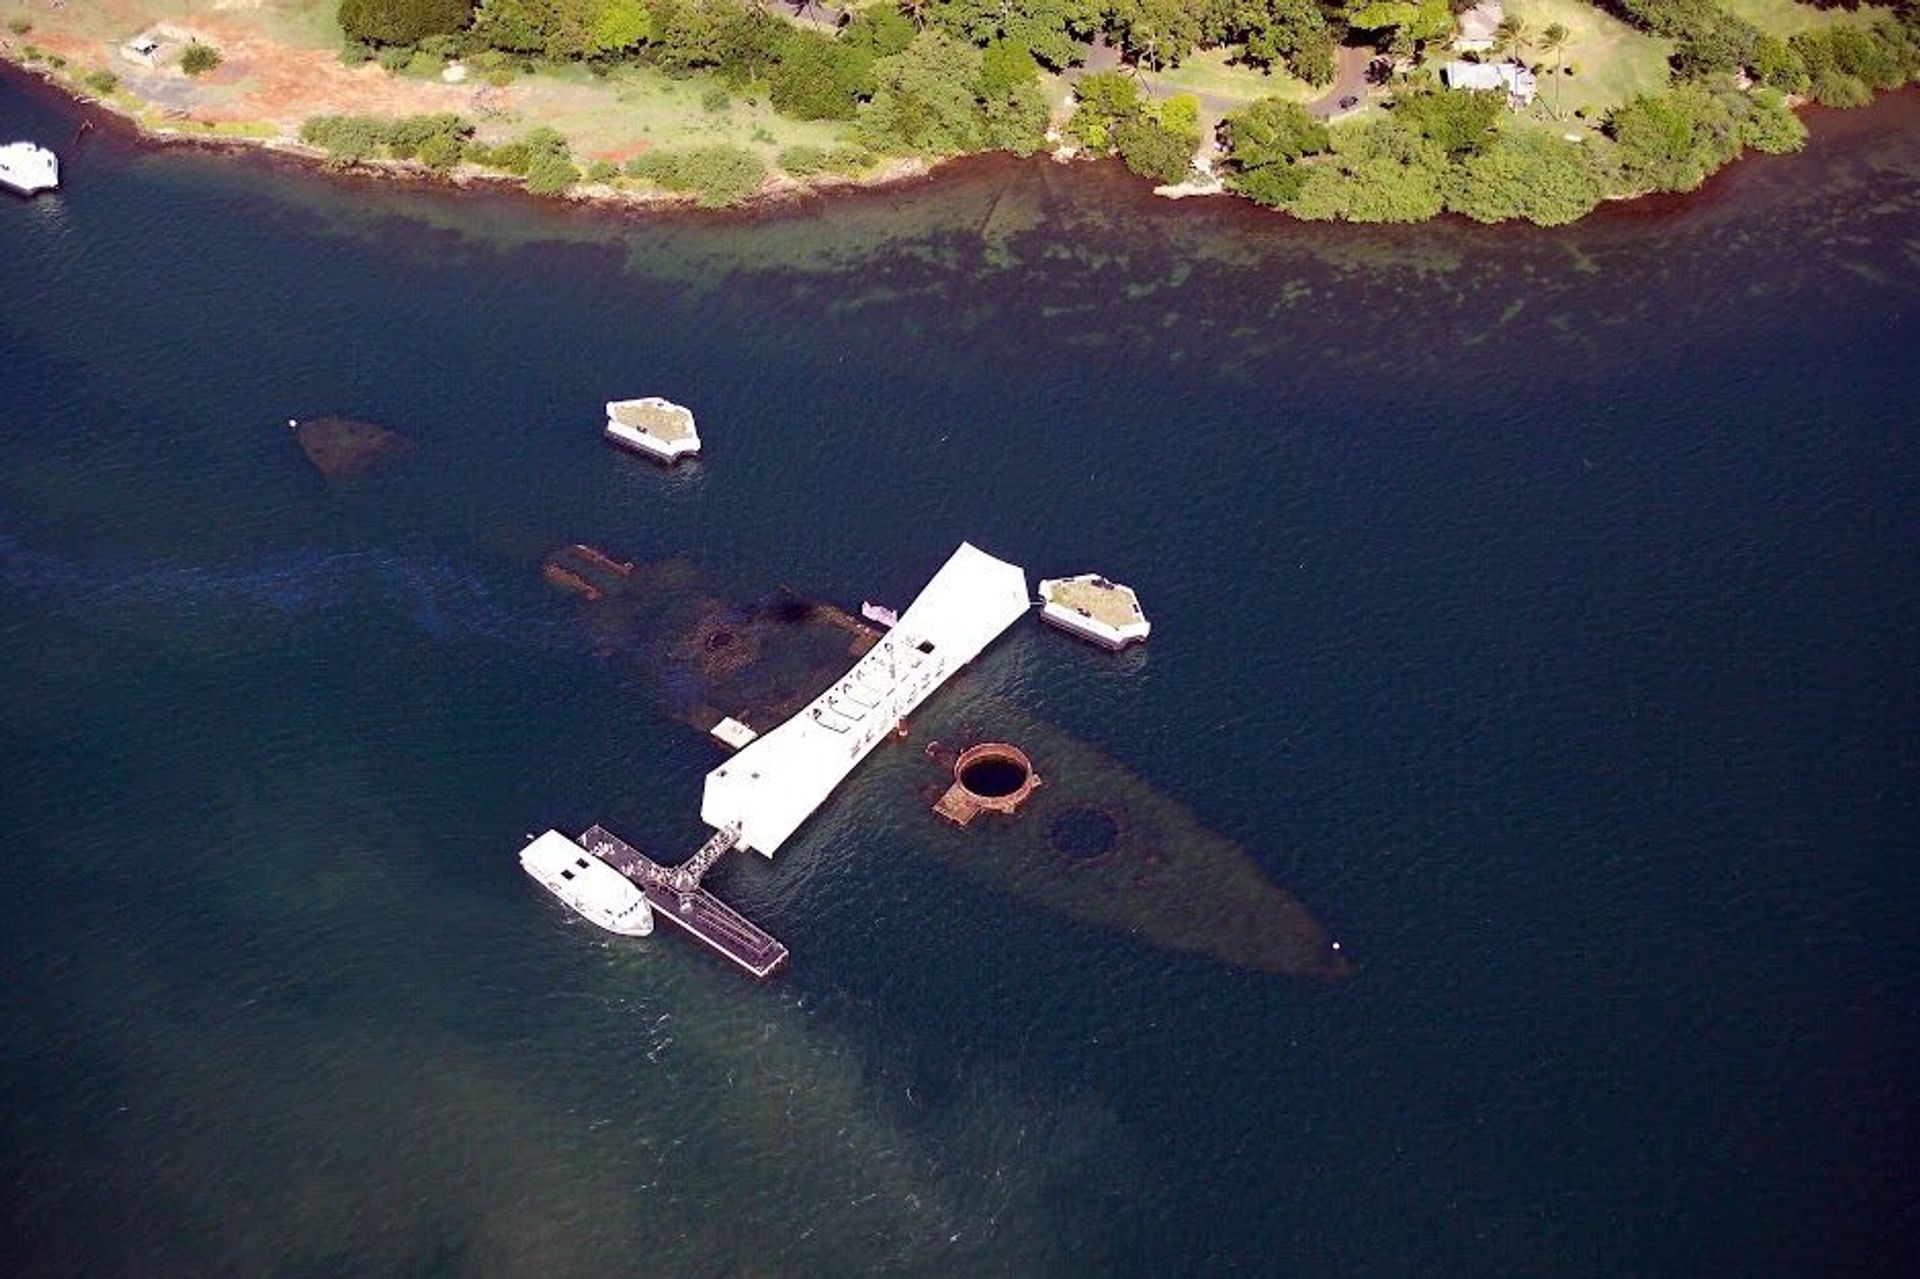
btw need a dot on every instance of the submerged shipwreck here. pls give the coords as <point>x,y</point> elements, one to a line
<point>341,448</point>
<point>1001,794</point>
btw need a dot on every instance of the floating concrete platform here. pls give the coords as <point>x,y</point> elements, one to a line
<point>1095,609</point>
<point>661,429</point>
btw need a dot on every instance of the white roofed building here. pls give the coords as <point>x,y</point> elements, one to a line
<point>775,783</point>
<point>1515,80</point>
<point>1480,27</point>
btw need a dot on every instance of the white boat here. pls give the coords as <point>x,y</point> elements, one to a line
<point>27,169</point>
<point>589,887</point>
<point>661,429</point>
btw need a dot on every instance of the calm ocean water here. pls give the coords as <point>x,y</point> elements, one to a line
<point>1539,608</point>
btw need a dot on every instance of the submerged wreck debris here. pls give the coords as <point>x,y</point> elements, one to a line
<point>993,777</point>
<point>1097,842</point>
<point>706,659</point>
<point>342,449</point>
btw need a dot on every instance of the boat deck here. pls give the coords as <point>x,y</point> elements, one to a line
<point>698,912</point>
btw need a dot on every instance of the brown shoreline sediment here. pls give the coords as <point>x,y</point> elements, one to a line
<point>785,194</point>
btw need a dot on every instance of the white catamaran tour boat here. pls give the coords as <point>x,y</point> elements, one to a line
<point>27,169</point>
<point>588,885</point>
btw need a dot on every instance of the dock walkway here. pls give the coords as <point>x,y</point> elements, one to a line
<point>676,895</point>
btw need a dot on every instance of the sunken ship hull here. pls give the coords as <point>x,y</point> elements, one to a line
<point>1087,837</point>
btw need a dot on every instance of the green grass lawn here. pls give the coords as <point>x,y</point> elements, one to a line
<point>637,107</point>
<point>1611,62</point>
<point>1785,17</point>
<point>1207,72</point>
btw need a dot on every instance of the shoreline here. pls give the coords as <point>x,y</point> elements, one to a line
<point>783,193</point>
<point>780,190</point>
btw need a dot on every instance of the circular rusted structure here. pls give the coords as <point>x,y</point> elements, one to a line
<point>993,777</point>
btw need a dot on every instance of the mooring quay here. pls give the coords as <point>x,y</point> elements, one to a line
<point>761,796</point>
<point>676,895</point>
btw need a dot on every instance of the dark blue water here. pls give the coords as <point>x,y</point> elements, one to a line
<point>1540,608</point>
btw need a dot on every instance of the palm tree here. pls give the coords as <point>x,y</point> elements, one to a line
<point>1554,40</point>
<point>1510,37</point>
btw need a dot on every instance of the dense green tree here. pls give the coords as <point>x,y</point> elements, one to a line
<point>1673,141</point>
<point>737,42</point>
<point>1158,32</point>
<point>563,30</point>
<point>803,161</point>
<point>881,30</point>
<point>1105,98</point>
<point>1015,118</point>
<point>1273,131</point>
<point>347,139</point>
<point>1780,66</point>
<point>1834,88</point>
<point>557,29</point>
<point>1264,144</point>
<point>924,100</point>
<point>394,22</point>
<point>1158,142</point>
<point>1382,171</point>
<point>820,78</point>
<point>1050,30</point>
<point>1316,62</point>
<point>621,25</point>
<point>406,137</point>
<point>199,58</point>
<point>1707,38</point>
<point>713,175</point>
<point>1879,55</point>
<point>1004,66</point>
<point>1417,20</point>
<point>550,174</point>
<point>1770,124</point>
<point>440,152</point>
<point>1526,174</point>
<point>1460,122</point>
<point>1272,32</point>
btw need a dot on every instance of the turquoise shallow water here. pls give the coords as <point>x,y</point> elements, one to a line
<point>1538,608</point>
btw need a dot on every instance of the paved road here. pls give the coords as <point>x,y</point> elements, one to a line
<point>1349,81</point>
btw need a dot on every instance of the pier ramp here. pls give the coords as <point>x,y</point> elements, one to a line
<point>773,785</point>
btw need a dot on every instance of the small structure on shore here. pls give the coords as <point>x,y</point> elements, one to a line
<point>661,429</point>
<point>158,44</point>
<point>1094,608</point>
<point>1480,26</point>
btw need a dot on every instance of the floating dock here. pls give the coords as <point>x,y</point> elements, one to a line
<point>27,169</point>
<point>676,895</point>
<point>1095,609</point>
<point>774,784</point>
<point>661,429</point>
